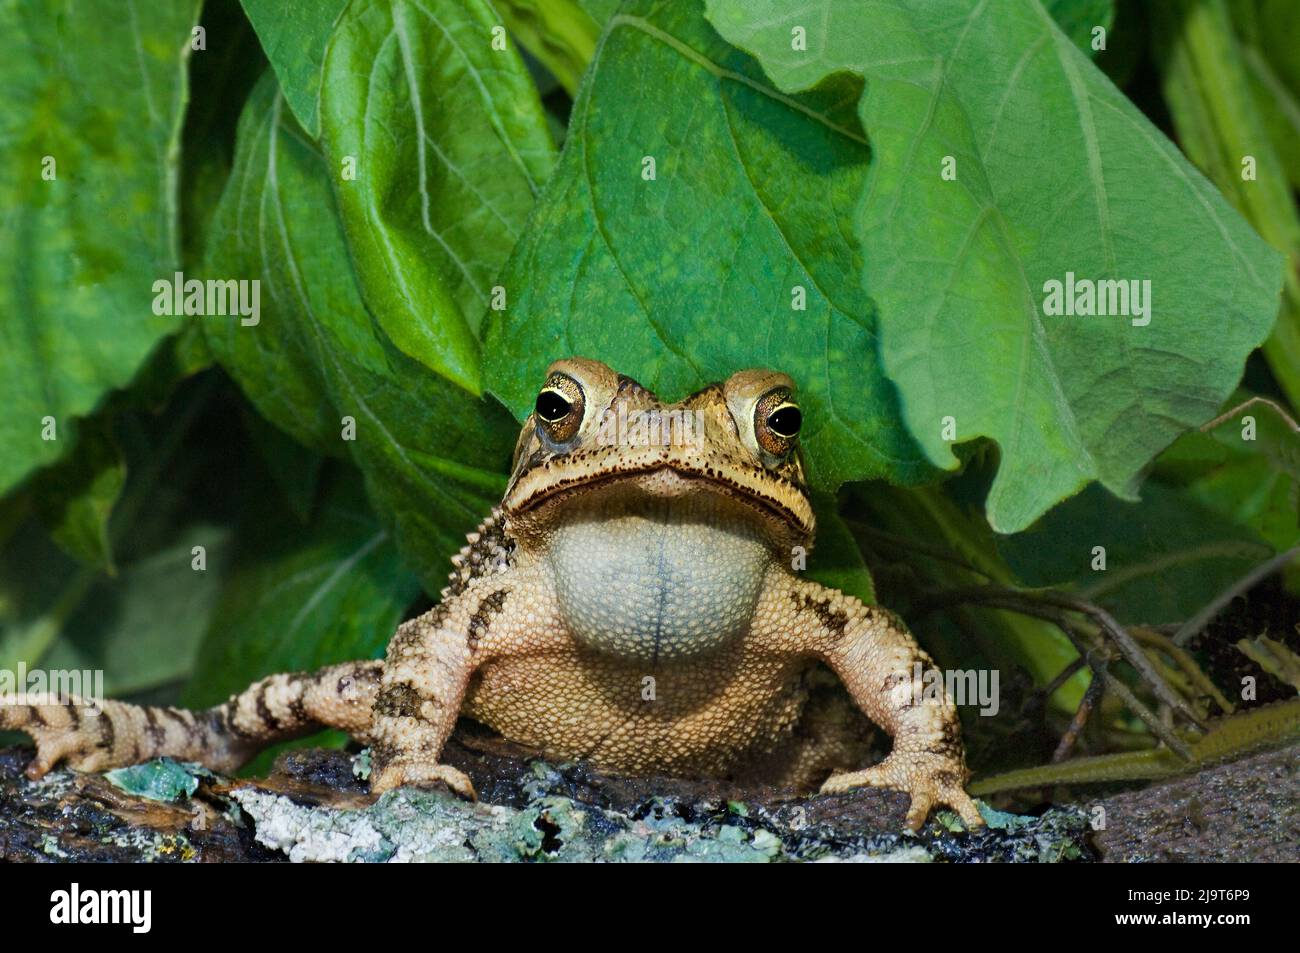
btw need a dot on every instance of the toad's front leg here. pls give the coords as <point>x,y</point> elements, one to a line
<point>428,668</point>
<point>884,670</point>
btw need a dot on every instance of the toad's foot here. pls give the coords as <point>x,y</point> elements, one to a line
<point>421,774</point>
<point>929,779</point>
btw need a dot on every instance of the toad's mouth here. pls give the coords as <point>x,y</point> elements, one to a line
<point>773,498</point>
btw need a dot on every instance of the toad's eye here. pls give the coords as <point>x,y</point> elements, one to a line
<point>552,406</point>
<point>785,421</point>
<point>559,408</point>
<point>777,419</point>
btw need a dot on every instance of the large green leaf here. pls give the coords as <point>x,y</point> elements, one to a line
<point>277,362</point>
<point>432,456</point>
<point>438,146</point>
<point>79,252</point>
<point>294,36</point>
<point>1165,557</point>
<point>1056,172</point>
<point>299,597</point>
<point>685,278</point>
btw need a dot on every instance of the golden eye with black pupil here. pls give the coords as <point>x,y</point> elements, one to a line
<point>785,421</point>
<point>551,406</point>
<point>776,422</point>
<point>559,408</point>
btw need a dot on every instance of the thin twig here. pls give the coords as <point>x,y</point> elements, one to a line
<point>1132,653</point>
<point>996,597</point>
<point>1091,699</point>
<point>1134,704</point>
<point>1062,677</point>
<point>1199,679</point>
<point>1277,408</point>
<point>1199,621</point>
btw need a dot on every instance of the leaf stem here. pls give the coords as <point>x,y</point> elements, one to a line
<point>1228,738</point>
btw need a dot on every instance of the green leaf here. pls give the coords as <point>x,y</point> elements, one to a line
<point>98,90</point>
<point>1266,30</point>
<point>1056,172</point>
<point>302,597</point>
<point>433,456</point>
<point>1165,557</point>
<point>599,10</point>
<point>561,34</point>
<point>1275,32</point>
<point>450,146</point>
<point>1279,111</point>
<point>1078,18</point>
<point>294,36</point>
<point>279,363</point>
<point>141,628</point>
<point>76,496</point>
<point>1246,470</point>
<point>221,77</point>
<point>836,560</point>
<point>686,278</point>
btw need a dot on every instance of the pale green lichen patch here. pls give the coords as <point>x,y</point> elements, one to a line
<point>411,825</point>
<point>151,846</point>
<point>50,845</point>
<point>402,826</point>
